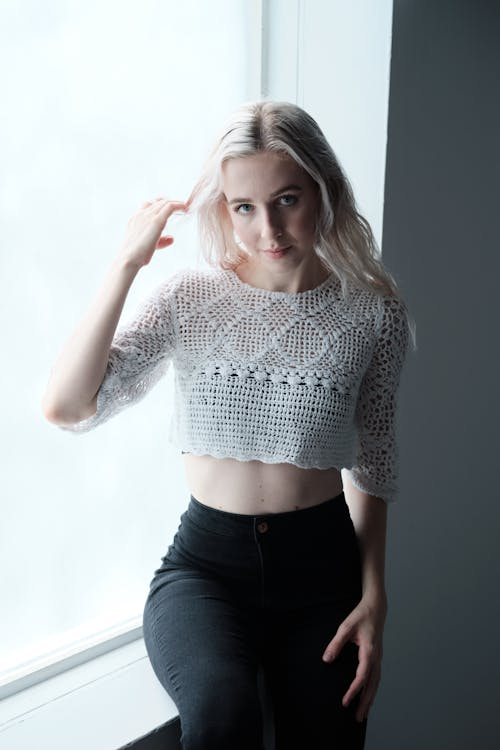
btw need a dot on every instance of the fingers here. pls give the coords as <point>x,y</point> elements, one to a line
<point>167,208</point>
<point>149,203</point>
<point>163,204</point>
<point>368,672</point>
<point>362,672</point>
<point>338,642</point>
<point>368,693</point>
<point>366,680</point>
<point>145,227</point>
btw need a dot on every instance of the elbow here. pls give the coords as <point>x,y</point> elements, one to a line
<point>63,417</point>
<point>49,411</point>
<point>49,414</point>
<point>56,417</point>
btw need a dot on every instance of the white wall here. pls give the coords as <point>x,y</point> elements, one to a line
<point>332,57</point>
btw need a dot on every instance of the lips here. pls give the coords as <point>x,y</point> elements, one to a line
<point>276,249</point>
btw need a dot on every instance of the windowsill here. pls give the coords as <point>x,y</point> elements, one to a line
<point>103,704</point>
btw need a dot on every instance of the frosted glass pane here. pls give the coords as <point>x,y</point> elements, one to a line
<point>104,105</point>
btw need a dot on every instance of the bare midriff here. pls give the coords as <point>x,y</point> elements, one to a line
<point>254,487</point>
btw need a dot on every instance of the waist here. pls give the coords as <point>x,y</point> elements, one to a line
<point>255,488</point>
<point>222,521</point>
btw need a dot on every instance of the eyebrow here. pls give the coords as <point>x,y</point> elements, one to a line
<point>276,192</point>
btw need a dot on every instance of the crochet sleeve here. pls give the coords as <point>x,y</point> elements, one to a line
<point>140,354</point>
<point>376,469</point>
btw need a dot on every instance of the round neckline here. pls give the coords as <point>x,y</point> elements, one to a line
<point>277,293</point>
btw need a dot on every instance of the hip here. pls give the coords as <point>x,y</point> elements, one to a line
<point>289,558</point>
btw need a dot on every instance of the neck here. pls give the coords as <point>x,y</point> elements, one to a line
<point>289,280</point>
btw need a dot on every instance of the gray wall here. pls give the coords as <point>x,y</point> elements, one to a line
<point>440,685</point>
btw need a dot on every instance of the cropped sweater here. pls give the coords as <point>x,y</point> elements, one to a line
<point>307,378</point>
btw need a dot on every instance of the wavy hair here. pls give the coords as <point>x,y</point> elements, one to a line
<point>344,240</point>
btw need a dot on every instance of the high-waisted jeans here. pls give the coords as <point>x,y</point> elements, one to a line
<point>239,593</point>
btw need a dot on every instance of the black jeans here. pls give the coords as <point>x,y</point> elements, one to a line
<point>237,591</point>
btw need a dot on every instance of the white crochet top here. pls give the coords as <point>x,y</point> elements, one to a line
<point>307,378</point>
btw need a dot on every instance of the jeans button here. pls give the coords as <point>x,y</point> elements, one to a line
<point>262,527</point>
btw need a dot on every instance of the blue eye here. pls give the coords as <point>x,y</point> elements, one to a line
<point>243,205</point>
<point>290,200</point>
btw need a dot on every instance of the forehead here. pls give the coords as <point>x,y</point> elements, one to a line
<point>261,173</point>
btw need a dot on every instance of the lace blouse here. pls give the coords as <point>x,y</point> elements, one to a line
<point>307,378</point>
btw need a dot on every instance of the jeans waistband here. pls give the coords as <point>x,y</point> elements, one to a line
<point>222,520</point>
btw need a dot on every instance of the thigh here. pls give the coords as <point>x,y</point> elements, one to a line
<point>202,648</point>
<point>306,691</point>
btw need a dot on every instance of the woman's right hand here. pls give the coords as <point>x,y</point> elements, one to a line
<point>144,230</point>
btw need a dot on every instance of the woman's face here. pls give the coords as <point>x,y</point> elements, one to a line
<point>273,204</point>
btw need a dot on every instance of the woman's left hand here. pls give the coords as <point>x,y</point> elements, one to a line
<point>363,626</point>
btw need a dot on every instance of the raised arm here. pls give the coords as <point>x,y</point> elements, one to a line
<point>94,362</point>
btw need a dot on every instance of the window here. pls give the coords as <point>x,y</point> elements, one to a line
<point>105,105</point>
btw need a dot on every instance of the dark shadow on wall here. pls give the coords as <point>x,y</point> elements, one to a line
<point>441,240</point>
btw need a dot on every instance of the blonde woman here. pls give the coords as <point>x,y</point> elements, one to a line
<point>287,351</point>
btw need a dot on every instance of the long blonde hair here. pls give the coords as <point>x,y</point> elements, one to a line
<point>344,243</point>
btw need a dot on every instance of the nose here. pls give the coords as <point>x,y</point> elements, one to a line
<point>271,227</point>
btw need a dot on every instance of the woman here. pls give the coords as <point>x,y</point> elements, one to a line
<point>288,352</point>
